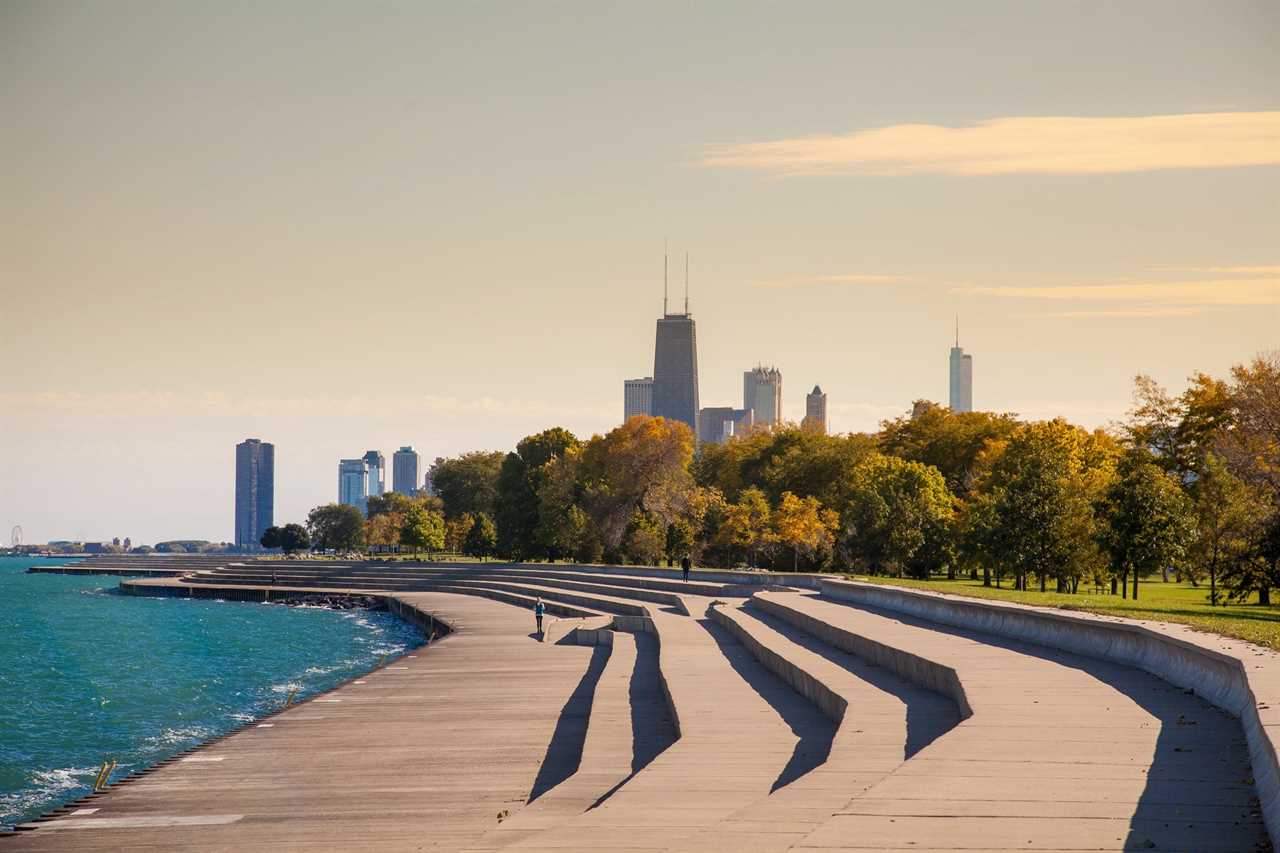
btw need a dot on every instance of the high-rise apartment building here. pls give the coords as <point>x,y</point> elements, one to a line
<point>255,491</point>
<point>961,377</point>
<point>762,394</point>
<point>405,464</point>
<point>377,472</point>
<point>717,424</point>
<point>637,397</point>
<point>675,361</point>
<point>815,410</point>
<point>353,484</point>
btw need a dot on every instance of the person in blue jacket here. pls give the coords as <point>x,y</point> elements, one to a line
<point>538,609</point>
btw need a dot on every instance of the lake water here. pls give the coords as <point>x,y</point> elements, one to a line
<point>87,674</point>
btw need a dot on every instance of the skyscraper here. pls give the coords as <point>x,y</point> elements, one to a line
<point>637,397</point>
<point>404,471</point>
<point>762,394</point>
<point>961,377</point>
<point>675,361</point>
<point>353,484</point>
<point>815,410</point>
<point>377,472</point>
<point>255,491</point>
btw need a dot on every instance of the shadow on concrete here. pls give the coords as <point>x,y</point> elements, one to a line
<point>812,729</point>
<point>652,729</point>
<point>1199,774</point>
<point>564,752</point>
<point>929,715</point>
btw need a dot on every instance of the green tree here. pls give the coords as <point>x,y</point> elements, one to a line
<point>481,539</point>
<point>949,441</point>
<point>1228,512</point>
<point>383,530</point>
<point>1034,502</point>
<point>422,529</point>
<point>644,542</point>
<point>520,478</point>
<point>294,538</point>
<point>1148,521</point>
<point>336,527</point>
<point>467,483</point>
<point>898,516</point>
<point>270,537</point>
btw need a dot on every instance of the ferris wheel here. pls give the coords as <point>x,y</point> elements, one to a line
<point>15,536</point>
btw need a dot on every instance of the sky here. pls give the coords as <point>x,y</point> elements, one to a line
<point>345,226</point>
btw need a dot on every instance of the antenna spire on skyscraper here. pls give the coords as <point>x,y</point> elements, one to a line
<point>686,284</point>
<point>957,330</point>
<point>664,276</point>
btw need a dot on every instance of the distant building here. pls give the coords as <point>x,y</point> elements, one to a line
<point>428,487</point>
<point>255,491</point>
<point>405,464</point>
<point>815,410</point>
<point>762,394</point>
<point>717,424</point>
<point>637,397</point>
<point>128,543</point>
<point>353,484</point>
<point>675,370</point>
<point>961,378</point>
<point>377,472</point>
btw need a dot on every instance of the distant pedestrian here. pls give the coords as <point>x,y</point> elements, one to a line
<point>685,565</point>
<point>273,578</point>
<point>538,609</point>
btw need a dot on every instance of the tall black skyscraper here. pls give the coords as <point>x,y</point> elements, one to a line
<point>255,491</point>
<point>675,361</point>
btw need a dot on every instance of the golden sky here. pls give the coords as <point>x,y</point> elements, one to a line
<point>349,226</point>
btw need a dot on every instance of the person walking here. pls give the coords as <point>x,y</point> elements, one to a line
<point>538,609</point>
<point>685,565</point>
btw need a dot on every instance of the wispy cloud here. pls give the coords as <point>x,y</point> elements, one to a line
<point>853,279</point>
<point>1172,311</point>
<point>1021,145</point>
<point>1233,291</point>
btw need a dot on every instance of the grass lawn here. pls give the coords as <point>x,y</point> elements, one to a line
<point>1166,602</point>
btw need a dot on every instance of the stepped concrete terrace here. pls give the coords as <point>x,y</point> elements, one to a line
<point>735,713</point>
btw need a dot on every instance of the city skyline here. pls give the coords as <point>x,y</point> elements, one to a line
<point>839,217</point>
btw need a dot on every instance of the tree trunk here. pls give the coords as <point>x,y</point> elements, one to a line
<point>1213,587</point>
<point>1042,581</point>
<point>795,565</point>
<point>1135,584</point>
<point>1124,585</point>
<point>1264,595</point>
<point>986,576</point>
<point>1113,584</point>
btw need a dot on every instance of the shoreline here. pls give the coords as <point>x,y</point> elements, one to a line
<point>430,628</point>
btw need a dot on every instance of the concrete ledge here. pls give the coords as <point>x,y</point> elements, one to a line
<point>1210,666</point>
<point>919,671</point>
<point>804,682</point>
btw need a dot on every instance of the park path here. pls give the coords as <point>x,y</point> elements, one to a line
<point>420,755</point>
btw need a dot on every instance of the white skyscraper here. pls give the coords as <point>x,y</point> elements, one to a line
<point>404,471</point>
<point>637,397</point>
<point>961,377</point>
<point>377,472</point>
<point>353,484</point>
<point>762,394</point>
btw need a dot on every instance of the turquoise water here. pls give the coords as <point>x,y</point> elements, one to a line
<point>87,674</point>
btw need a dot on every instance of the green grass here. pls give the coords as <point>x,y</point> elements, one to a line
<point>1164,602</point>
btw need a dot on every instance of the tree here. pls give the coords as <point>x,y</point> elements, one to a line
<point>644,542</point>
<point>1148,520</point>
<point>899,516</point>
<point>294,538</point>
<point>422,529</point>
<point>456,530</point>
<point>949,441</point>
<point>1227,512</point>
<point>383,530</point>
<point>520,478</point>
<point>270,537</point>
<point>804,526</point>
<point>747,524</point>
<point>336,527</point>
<point>481,539</point>
<point>783,459</point>
<point>1035,501</point>
<point>641,465</point>
<point>467,483</point>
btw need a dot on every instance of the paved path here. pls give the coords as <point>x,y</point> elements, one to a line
<point>1061,752</point>
<point>421,755</point>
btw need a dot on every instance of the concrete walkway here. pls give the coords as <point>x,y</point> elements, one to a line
<point>420,755</point>
<point>1061,752</point>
